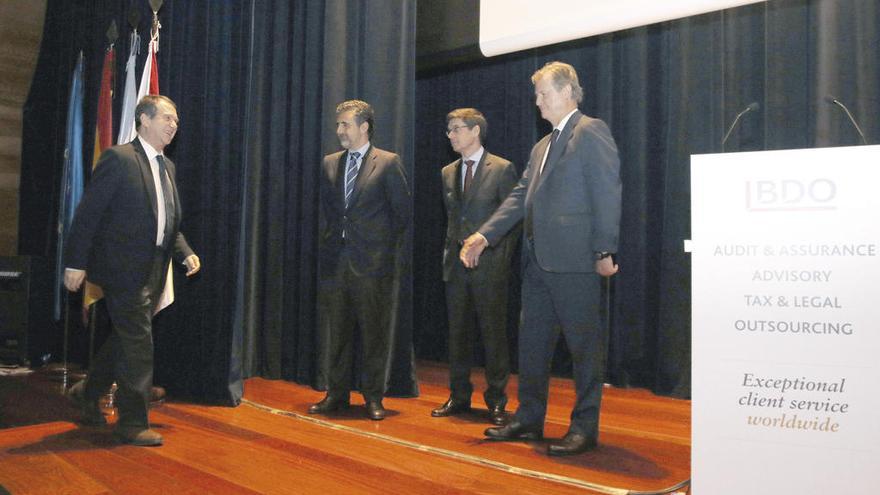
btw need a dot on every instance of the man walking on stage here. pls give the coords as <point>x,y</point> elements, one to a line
<point>365,209</point>
<point>473,187</point>
<point>125,230</point>
<point>569,199</point>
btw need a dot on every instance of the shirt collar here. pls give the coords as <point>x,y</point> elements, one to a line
<point>149,150</point>
<point>564,120</point>
<point>476,156</point>
<point>362,150</point>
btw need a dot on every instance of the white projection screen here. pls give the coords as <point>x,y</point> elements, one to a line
<point>512,25</point>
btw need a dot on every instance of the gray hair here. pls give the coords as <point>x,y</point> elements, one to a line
<point>561,74</point>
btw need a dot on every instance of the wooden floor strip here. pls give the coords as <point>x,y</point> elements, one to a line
<point>480,461</point>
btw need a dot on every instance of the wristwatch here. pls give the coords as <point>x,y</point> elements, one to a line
<point>601,255</point>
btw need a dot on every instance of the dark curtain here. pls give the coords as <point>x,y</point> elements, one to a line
<point>306,58</point>
<point>256,84</point>
<point>667,91</point>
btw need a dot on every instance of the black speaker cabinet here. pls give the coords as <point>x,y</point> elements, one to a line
<point>25,309</point>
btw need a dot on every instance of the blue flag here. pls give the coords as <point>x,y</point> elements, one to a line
<point>71,178</point>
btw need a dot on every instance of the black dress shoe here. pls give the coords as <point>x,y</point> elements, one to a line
<point>571,444</point>
<point>329,404</point>
<point>515,431</point>
<point>450,408</point>
<point>497,415</point>
<point>375,411</point>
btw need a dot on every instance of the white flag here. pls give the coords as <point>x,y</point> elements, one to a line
<point>129,100</point>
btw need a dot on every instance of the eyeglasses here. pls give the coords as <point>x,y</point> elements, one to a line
<point>455,129</point>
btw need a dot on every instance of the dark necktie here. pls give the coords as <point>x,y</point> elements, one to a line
<point>529,225</point>
<point>553,137</point>
<point>351,173</point>
<point>168,195</point>
<point>468,174</point>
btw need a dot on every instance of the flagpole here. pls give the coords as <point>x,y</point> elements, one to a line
<point>65,371</point>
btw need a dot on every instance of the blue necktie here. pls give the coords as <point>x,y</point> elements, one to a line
<point>351,173</point>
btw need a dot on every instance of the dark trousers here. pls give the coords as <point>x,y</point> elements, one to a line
<point>352,300</point>
<point>476,298</point>
<point>126,357</point>
<point>550,302</point>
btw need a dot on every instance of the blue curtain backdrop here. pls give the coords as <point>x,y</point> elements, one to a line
<point>667,90</point>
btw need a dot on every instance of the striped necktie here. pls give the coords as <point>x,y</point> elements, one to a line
<point>351,172</point>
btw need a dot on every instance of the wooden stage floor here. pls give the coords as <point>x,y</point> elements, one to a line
<point>269,445</point>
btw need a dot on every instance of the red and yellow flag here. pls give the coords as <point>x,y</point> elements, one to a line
<point>103,140</point>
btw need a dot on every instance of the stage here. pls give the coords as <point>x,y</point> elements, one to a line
<point>269,445</point>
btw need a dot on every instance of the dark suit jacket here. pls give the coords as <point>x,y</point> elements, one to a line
<point>377,216</point>
<point>113,236</point>
<point>575,202</point>
<point>491,184</point>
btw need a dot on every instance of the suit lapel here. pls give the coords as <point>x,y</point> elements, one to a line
<point>147,175</point>
<point>338,180</point>
<point>172,173</point>
<point>558,148</point>
<point>456,181</point>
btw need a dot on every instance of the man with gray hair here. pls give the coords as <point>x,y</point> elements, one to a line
<point>365,209</point>
<point>569,199</point>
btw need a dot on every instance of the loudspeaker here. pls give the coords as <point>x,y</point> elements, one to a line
<point>24,309</point>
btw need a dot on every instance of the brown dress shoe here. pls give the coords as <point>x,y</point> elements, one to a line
<point>157,395</point>
<point>90,411</point>
<point>515,431</point>
<point>375,411</point>
<point>571,444</point>
<point>450,408</point>
<point>137,435</point>
<point>329,404</point>
<point>497,415</point>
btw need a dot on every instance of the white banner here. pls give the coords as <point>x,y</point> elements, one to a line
<point>513,25</point>
<point>786,311</point>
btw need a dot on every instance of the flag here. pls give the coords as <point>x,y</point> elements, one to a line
<point>129,99</point>
<point>103,140</point>
<point>71,176</point>
<point>149,86</point>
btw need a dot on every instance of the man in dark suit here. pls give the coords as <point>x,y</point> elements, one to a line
<point>124,233</point>
<point>473,187</point>
<point>569,199</point>
<point>365,209</point>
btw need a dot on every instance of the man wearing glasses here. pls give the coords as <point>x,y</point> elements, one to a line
<point>473,188</point>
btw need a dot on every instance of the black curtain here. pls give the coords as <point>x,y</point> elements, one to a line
<point>256,84</point>
<point>668,91</point>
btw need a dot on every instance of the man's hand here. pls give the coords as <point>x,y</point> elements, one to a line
<point>73,279</point>
<point>193,265</point>
<point>472,249</point>
<point>606,267</point>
